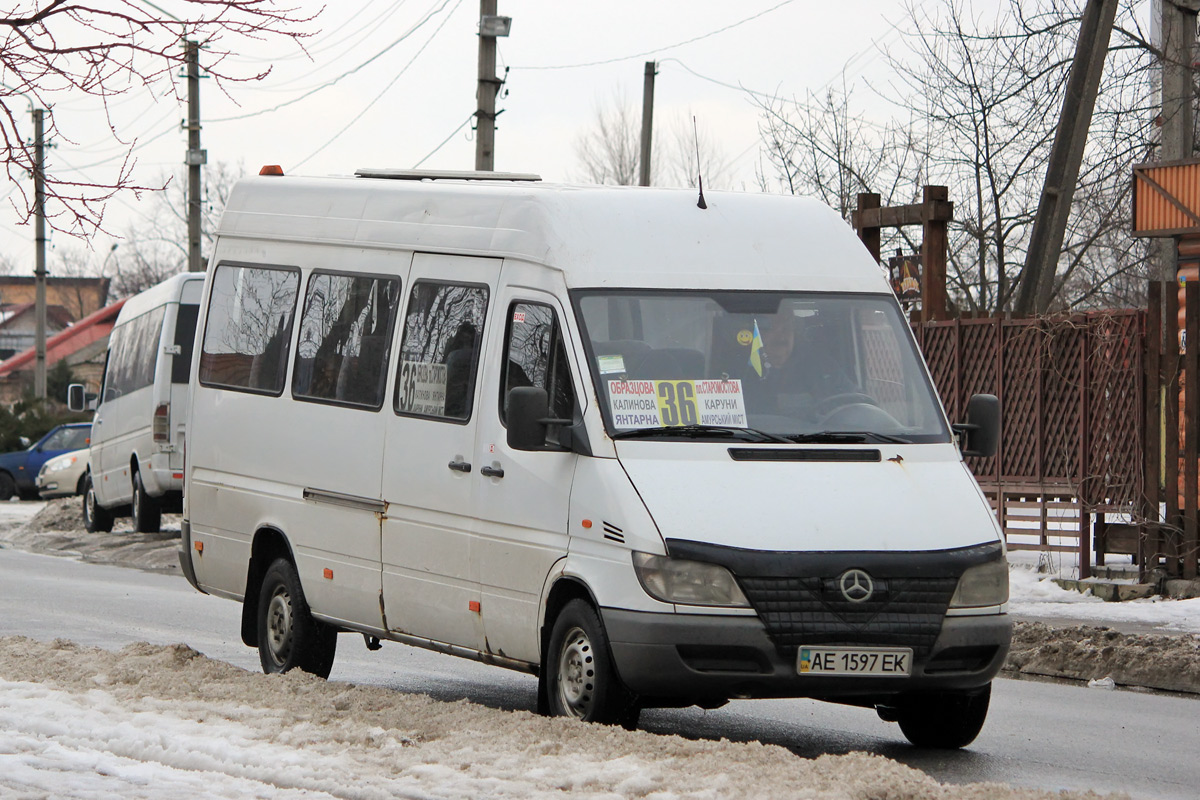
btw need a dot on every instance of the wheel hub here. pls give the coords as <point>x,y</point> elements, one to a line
<point>279,627</point>
<point>576,674</point>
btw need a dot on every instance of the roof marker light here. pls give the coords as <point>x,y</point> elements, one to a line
<point>271,169</point>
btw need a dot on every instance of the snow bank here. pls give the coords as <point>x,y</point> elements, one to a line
<point>166,722</point>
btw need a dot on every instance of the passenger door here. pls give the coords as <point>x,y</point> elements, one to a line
<point>523,504</point>
<point>430,474</point>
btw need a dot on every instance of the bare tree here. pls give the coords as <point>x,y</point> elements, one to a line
<point>106,51</point>
<point>609,151</point>
<point>155,247</point>
<point>977,102</point>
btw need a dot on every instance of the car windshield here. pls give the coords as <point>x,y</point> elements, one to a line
<point>757,366</point>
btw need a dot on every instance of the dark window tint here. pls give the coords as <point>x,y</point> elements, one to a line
<point>185,340</point>
<point>439,357</point>
<point>133,352</point>
<point>248,331</point>
<point>345,333</point>
<point>535,356</point>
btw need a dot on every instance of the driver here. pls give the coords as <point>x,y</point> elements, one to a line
<point>795,378</point>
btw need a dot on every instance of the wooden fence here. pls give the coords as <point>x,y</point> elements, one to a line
<point>1091,434</point>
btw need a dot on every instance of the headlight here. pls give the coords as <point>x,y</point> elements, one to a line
<point>59,466</point>
<point>984,585</point>
<point>689,583</point>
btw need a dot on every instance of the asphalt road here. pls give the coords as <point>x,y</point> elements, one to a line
<point>1043,735</point>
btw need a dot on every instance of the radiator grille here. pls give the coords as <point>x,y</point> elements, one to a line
<point>904,612</point>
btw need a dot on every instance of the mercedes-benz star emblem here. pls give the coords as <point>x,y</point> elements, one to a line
<point>856,585</point>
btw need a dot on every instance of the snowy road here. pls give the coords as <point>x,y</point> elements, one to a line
<point>1038,735</point>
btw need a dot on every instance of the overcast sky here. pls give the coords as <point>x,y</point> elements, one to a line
<point>332,112</point>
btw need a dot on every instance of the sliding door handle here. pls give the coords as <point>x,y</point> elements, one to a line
<point>492,472</point>
<point>460,466</point>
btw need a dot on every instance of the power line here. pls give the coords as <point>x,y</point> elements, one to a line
<point>662,49</point>
<point>390,84</point>
<point>345,74</point>
<point>429,155</point>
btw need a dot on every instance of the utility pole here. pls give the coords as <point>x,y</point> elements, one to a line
<point>196,158</point>
<point>1178,38</point>
<point>490,26</point>
<point>647,123</point>
<point>1062,172</point>
<point>39,237</point>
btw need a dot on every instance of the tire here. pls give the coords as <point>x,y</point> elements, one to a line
<point>8,486</point>
<point>578,676</point>
<point>288,636</point>
<point>81,485</point>
<point>96,518</point>
<point>147,513</point>
<point>946,720</point>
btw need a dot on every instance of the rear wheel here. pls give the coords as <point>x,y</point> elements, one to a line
<point>96,518</point>
<point>288,636</point>
<point>579,678</point>
<point>945,720</point>
<point>147,513</point>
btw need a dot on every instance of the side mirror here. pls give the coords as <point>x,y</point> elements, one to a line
<point>980,434</point>
<point>527,416</point>
<point>24,440</point>
<point>528,407</point>
<point>75,397</point>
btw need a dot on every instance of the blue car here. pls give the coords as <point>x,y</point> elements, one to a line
<point>19,470</point>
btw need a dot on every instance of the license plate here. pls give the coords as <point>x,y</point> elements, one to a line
<point>872,661</point>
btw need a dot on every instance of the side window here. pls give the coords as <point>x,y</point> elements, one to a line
<point>112,380</point>
<point>185,339</point>
<point>248,331</point>
<point>345,333</point>
<point>439,356</point>
<point>133,351</point>
<point>536,356</point>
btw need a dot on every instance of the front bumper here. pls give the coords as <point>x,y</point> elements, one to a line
<point>686,658</point>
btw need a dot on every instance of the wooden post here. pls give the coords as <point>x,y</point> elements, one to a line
<point>869,233</point>
<point>1151,544</point>
<point>1191,399</point>
<point>934,242</point>
<point>1170,368</point>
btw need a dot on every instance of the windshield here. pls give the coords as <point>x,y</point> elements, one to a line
<point>757,366</point>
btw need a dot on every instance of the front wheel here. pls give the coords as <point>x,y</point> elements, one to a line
<point>96,518</point>
<point>579,678</point>
<point>288,636</point>
<point>147,513</point>
<point>945,720</point>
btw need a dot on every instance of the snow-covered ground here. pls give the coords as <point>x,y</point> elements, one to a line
<point>166,722</point>
<point>1036,596</point>
<point>162,723</point>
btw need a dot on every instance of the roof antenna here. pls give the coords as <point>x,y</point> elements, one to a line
<point>699,177</point>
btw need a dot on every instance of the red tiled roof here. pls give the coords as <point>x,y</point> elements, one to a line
<point>92,327</point>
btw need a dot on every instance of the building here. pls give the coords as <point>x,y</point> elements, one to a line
<point>83,345</point>
<point>79,296</point>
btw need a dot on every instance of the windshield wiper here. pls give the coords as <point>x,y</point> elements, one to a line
<point>846,437</point>
<point>702,432</point>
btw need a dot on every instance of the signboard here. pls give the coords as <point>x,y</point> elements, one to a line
<point>422,388</point>
<point>658,404</point>
<point>1165,201</point>
<point>905,274</point>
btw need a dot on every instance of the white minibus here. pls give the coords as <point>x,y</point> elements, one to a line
<point>652,450</point>
<point>136,455</point>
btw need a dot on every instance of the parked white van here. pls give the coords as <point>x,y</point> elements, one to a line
<point>136,458</point>
<point>655,452</point>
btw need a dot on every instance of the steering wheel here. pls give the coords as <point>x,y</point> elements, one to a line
<point>829,404</point>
